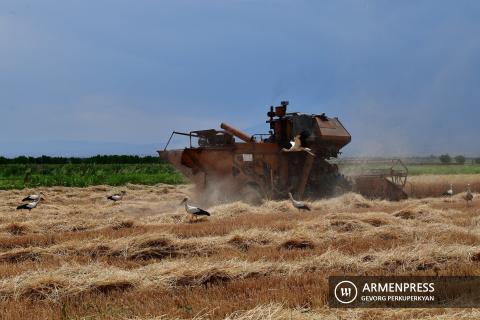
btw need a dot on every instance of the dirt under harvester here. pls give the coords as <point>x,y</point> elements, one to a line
<point>295,156</point>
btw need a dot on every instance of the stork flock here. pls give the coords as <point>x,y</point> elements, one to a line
<point>468,196</point>
<point>193,212</point>
<point>31,202</point>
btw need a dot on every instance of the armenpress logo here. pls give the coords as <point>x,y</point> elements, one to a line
<point>345,292</point>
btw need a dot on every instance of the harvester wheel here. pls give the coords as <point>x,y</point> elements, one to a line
<point>341,185</point>
<point>251,194</point>
<point>334,184</point>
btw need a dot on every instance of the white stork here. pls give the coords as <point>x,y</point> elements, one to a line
<point>449,192</point>
<point>29,206</point>
<point>300,205</point>
<point>33,197</point>
<point>296,146</point>
<point>117,196</point>
<point>194,211</point>
<point>469,195</point>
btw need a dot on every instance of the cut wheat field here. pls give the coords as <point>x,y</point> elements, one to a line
<point>79,256</point>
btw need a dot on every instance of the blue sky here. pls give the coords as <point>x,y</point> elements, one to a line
<point>117,76</point>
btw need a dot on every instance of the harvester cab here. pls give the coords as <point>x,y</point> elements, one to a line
<point>326,136</point>
<point>295,156</point>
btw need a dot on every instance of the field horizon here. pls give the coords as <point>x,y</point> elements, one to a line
<point>118,170</point>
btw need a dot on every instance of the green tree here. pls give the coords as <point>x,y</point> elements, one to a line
<point>460,159</point>
<point>445,158</point>
<point>477,160</point>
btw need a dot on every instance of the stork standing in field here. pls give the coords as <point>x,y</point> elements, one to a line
<point>296,145</point>
<point>194,211</point>
<point>33,197</point>
<point>29,206</point>
<point>117,196</point>
<point>449,192</point>
<point>469,195</point>
<point>300,205</point>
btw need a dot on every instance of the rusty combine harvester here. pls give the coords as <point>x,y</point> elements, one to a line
<point>267,166</point>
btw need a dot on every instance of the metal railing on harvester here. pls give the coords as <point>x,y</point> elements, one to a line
<point>392,169</point>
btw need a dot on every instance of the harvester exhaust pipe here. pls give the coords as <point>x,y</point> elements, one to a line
<point>237,133</point>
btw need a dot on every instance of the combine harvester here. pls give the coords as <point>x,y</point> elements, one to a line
<point>297,155</point>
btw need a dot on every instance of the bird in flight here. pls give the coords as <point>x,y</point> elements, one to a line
<point>194,212</point>
<point>296,145</point>
<point>117,196</point>
<point>300,205</point>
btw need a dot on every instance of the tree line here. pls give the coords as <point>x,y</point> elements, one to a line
<point>98,159</point>
<point>446,159</point>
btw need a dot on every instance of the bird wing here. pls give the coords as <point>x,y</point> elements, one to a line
<point>192,209</point>
<point>305,207</point>
<point>29,205</point>
<point>202,212</point>
<point>197,211</point>
<point>298,204</point>
<point>297,144</point>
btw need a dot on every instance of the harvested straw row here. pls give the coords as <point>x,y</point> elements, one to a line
<point>75,279</point>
